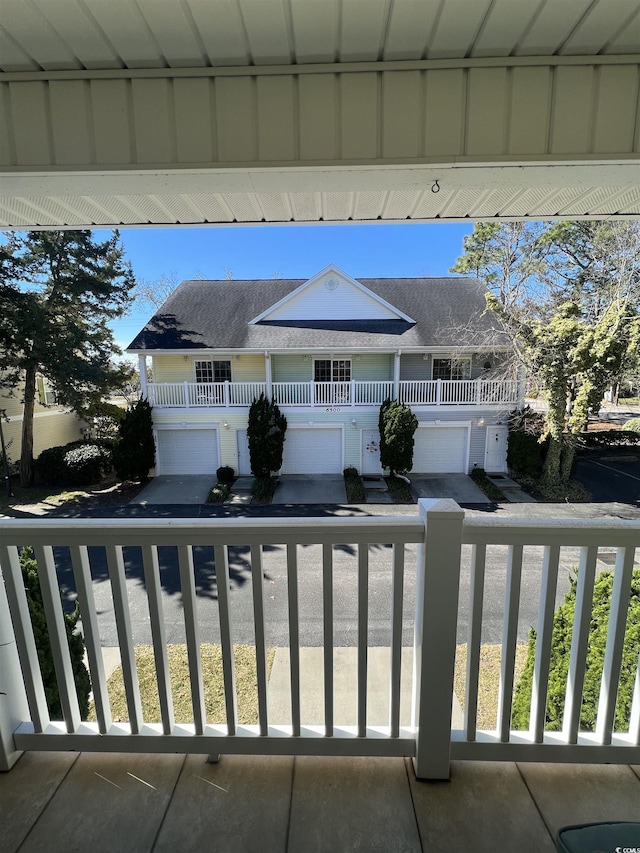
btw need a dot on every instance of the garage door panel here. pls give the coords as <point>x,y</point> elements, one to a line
<point>312,451</point>
<point>440,450</point>
<point>187,451</point>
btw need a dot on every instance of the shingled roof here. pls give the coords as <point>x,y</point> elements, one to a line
<point>216,315</point>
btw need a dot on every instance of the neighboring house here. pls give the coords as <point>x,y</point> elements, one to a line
<point>329,350</point>
<point>52,424</point>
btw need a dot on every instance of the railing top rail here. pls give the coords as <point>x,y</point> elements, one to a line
<point>214,531</point>
<point>558,531</point>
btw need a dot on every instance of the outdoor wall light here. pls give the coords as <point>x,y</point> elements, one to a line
<point>481,422</point>
<point>354,423</point>
<point>225,424</point>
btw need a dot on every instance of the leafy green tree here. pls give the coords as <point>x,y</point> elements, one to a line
<point>397,424</point>
<point>43,643</point>
<point>58,292</point>
<point>568,295</point>
<point>266,434</point>
<point>560,654</point>
<point>135,451</point>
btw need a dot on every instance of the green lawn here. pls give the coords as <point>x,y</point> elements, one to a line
<point>211,657</point>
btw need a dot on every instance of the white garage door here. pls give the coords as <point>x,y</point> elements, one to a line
<point>187,451</point>
<point>312,451</point>
<point>440,450</point>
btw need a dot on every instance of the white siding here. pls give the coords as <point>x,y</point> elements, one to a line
<point>332,298</point>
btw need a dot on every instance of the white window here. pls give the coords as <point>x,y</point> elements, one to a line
<point>332,370</point>
<point>451,368</point>
<point>213,371</point>
<point>47,396</point>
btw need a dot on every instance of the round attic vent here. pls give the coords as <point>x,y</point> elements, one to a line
<point>331,284</point>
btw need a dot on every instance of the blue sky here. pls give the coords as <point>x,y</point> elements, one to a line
<point>385,250</point>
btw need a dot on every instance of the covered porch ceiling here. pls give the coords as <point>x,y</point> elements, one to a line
<point>138,112</point>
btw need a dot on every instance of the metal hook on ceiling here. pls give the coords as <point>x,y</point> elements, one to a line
<point>435,187</point>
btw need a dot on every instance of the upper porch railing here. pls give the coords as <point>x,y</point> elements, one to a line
<point>439,534</point>
<point>424,392</point>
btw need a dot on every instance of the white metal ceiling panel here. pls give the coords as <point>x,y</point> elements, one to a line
<point>175,33</point>
<point>212,207</point>
<point>601,23</point>
<point>315,26</point>
<point>457,28</point>
<point>552,26</point>
<point>409,27</point>
<point>122,23</point>
<point>221,31</point>
<point>503,27</point>
<point>31,31</point>
<point>400,204</point>
<point>265,22</point>
<point>337,206</point>
<point>362,33</point>
<point>274,207</point>
<point>368,205</point>
<point>86,41</point>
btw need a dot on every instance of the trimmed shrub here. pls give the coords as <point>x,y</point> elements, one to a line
<point>218,493</point>
<point>525,453</point>
<point>266,435</point>
<point>135,452</point>
<point>75,464</point>
<point>633,425</point>
<point>43,644</point>
<point>354,486</point>
<point>225,474</point>
<point>479,477</point>
<point>397,424</point>
<point>560,652</point>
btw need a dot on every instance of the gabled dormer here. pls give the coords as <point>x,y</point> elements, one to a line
<point>331,294</point>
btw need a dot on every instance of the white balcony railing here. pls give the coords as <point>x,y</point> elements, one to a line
<point>440,532</point>
<point>427,392</point>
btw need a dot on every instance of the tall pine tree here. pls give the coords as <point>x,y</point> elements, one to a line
<point>58,292</point>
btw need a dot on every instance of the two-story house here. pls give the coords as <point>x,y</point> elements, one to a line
<point>329,350</point>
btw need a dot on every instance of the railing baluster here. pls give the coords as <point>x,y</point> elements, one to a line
<point>620,596</point>
<point>363,645</point>
<point>25,641</point>
<point>115,564</point>
<point>84,587</point>
<point>158,635</point>
<point>228,665</point>
<point>58,636</point>
<point>543,641</point>
<point>509,640</point>
<point>261,651</point>
<point>476,598</point>
<point>396,639</point>
<point>294,637</point>
<point>192,630</point>
<point>327,610</point>
<point>579,643</point>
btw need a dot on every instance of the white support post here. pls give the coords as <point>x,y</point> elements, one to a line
<point>437,583</point>
<point>14,708</point>
<point>352,393</point>
<point>186,394</point>
<point>268,374</point>
<point>521,386</point>
<point>142,367</point>
<point>227,393</point>
<point>438,391</point>
<point>396,375</point>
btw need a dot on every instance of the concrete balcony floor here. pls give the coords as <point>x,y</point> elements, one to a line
<point>136,803</point>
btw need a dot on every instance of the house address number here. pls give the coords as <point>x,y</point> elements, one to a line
<point>333,409</point>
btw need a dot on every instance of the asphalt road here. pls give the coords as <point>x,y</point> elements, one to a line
<point>310,593</point>
<point>611,476</point>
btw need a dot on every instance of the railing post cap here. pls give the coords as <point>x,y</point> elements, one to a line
<point>439,508</point>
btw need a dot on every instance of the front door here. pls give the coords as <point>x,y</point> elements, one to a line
<point>244,462</point>
<point>371,452</point>
<point>495,456</point>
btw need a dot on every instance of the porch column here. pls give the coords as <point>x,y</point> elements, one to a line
<point>13,705</point>
<point>522,385</point>
<point>268,375</point>
<point>434,648</point>
<point>142,367</point>
<point>396,374</point>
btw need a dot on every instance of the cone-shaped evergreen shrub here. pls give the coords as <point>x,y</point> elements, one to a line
<point>43,644</point>
<point>266,434</point>
<point>560,652</point>
<point>135,452</point>
<point>397,424</point>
